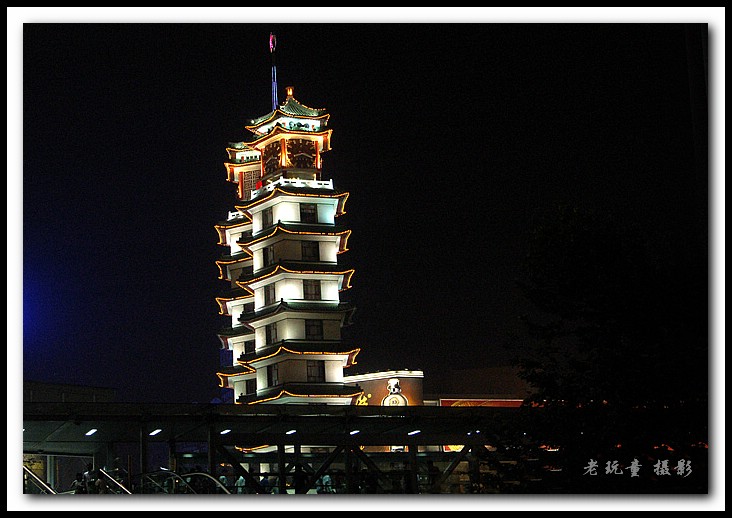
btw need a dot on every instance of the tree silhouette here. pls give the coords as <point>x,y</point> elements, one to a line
<point>613,325</point>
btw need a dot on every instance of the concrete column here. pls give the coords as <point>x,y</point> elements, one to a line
<point>282,469</point>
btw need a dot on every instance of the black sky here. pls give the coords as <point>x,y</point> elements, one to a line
<point>451,139</point>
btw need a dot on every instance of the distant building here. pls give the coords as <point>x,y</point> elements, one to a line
<point>41,392</point>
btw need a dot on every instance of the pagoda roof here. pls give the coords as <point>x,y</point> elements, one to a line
<point>239,146</point>
<point>238,222</point>
<point>303,348</point>
<point>230,332</point>
<point>302,390</point>
<point>304,306</point>
<point>322,229</point>
<point>295,267</point>
<point>228,372</point>
<point>290,108</point>
<point>291,190</point>
<point>260,137</point>
<point>294,346</point>
<point>300,347</point>
<point>236,293</point>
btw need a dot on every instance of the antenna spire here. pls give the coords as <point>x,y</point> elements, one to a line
<point>272,45</point>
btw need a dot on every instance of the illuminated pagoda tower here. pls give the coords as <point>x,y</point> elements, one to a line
<point>281,265</point>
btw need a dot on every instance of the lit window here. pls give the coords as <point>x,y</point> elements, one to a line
<point>313,329</point>
<point>311,289</point>
<point>273,377</point>
<point>269,294</point>
<point>310,251</point>
<point>251,386</point>
<point>268,255</point>
<point>309,212</point>
<point>270,331</point>
<point>316,371</point>
<point>267,217</point>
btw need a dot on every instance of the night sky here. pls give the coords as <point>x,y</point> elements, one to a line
<point>450,138</point>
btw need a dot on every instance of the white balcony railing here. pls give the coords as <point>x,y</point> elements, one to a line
<point>293,182</point>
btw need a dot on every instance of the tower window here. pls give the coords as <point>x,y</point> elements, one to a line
<point>251,387</point>
<point>249,346</point>
<point>313,329</point>
<point>269,294</point>
<point>311,289</point>
<point>270,331</point>
<point>273,375</point>
<point>267,217</point>
<point>309,212</point>
<point>268,255</point>
<point>316,371</point>
<point>310,251</point>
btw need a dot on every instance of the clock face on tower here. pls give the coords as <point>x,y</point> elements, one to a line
<point>272,154</point>
<point>301,153</point>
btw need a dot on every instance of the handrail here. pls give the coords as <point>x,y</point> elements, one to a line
<point>123,488</point>
<point>169,474</point>
<point>219,484</point>
<point>38,481</point>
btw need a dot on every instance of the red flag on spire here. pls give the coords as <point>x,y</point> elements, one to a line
<point>272,42</point>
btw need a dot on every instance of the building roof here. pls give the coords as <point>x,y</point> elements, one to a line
<point>248,277</point>
<point>302,390</point>
<point>292,190</point>
<point>321,229</point>
<point>308,347</point>
<point>304,306</point>
<point>290,108</point>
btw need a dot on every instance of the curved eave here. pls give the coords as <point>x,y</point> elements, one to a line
<point>231,372</point>
<point>263,139</point>
<point>277,112</point>
<point>279,228</point>
<point>223,302</point>
<point>242,165</point>
<point>245,256</point>
<point>309,193</point>
<point>221,228</point>
<point>246,219</point>
<point>229,333</point>
<point>345,308</point>
<point>281,350</point>
<point>346,284</point>
<point>284,393</point>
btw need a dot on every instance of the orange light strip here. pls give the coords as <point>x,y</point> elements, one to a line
<point>223,383</point>
<point>220,263</point>
<point>283,152</point>
<point>325,116</point>
<point>221,375</point>
<point>287,393</point>
<point>253,448</point>
<point>283,350</point>
<point>296,232</point>
<point>347,276</point>
<point>342,204</point>
<point>265,138</point>
<point>223,301</point>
